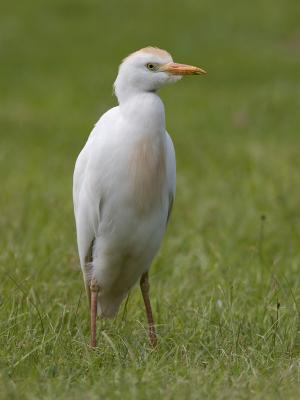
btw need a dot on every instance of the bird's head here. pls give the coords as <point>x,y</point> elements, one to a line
<point>147,70</point>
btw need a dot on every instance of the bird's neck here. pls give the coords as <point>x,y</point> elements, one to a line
<point>144,109</point>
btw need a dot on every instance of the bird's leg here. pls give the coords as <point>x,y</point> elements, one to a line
<point>94,294</point>
<point>144,283</point>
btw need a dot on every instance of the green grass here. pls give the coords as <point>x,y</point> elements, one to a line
<point>225,286</point>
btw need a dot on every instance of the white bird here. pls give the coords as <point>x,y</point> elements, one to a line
<point>124,185</point>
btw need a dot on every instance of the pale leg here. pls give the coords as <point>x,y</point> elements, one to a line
<point>94,294</point>
<point>144,283</point>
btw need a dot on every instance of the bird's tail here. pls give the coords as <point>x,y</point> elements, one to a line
<point>108,306</point>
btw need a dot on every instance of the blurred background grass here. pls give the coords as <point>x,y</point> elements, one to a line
<point>232,253</point>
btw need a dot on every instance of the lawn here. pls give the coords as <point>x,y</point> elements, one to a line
<point>225,286</point>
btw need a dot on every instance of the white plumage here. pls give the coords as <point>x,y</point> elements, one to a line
<point>124,180</point>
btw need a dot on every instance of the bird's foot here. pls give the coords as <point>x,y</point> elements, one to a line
<point>152,336</point>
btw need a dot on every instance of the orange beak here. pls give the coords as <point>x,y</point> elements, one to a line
<point>182,69</point>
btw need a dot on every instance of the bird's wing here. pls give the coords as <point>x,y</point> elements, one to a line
<point>86,210</point>
<point>88,191</point>
<point>78,176</point>
<point>80,170</point>
<point>171,172</point>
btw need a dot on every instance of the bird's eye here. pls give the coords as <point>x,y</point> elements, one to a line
<point>151,66</point>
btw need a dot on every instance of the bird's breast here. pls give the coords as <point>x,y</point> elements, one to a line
<point>147,170</point>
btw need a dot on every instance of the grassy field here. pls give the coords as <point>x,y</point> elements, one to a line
<point>225,286</point>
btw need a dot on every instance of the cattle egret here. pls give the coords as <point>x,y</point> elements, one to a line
<point>124,186</point>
